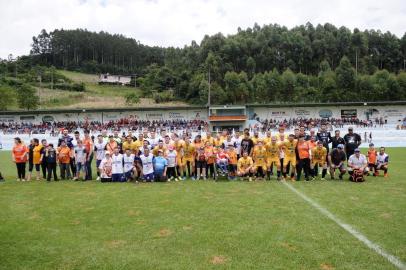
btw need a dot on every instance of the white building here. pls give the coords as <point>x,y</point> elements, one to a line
<point>114,79</point>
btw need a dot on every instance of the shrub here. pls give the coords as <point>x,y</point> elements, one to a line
<point>132,98</point>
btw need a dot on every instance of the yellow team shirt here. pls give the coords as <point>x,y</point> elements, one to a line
<point>289,148</point>
<point>37,154</point>
<point>211,140</point>
<point>319,155</point>
<point>273,150</point>
<point>267,140</point>
<point>244,163</point>
<point>189,151</point>
<point>259,155</point>
<point>132,146</point>
<point>157,148</point>
<point>255,140</point>
<point>138,144</point>
<point>281,137</point>
<point>218,142</point>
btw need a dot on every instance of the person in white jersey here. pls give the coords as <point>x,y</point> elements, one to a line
<point>105,168</point>
<point>128,160</point>
<point>357,161</point>
<point>171,156</point>
<point>117,168</point>
<point>99,149</point>
<point>382,161</point>
<point>147,160</point>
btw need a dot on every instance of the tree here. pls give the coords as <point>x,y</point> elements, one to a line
<point>7,97</point>
<point>27,98</point>
<point>289,83</point>
<point>345,75</point>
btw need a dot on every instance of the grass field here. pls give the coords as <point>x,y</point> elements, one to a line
<point>200,225</point>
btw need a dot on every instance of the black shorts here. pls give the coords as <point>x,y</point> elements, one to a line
<point>232,168</point>
<point>31,167</point>
<point>201,164</point>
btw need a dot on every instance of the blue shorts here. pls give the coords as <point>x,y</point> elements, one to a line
<point>149,177</point>
<point>128,175</point>
<point>80,167</point>
<point>117,177</point>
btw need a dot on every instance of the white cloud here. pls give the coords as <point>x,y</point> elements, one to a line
<point>177,22</point>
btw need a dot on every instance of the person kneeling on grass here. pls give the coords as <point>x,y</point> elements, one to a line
<point>382,162</point>
<point>160,167</point>
<point>336,160</point>
<point>129,169</point>
<point>244,167</point>
<point>117,169</point>
<point>357,162</point>
<point>105,168</point>
<point>319,159</point>
<point>147,161</point>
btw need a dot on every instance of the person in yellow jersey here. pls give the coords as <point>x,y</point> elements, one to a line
<point>318,155</point>
<point>255,138</point>
<point>209,138</point>
<point>259,157</point>
<point>161,147</point>
<point>273,149</point>
<point>129,144</point>
<point>224,134</point>
<point>140,141</point>
<point>289,161</point>
<point>178,144</point>
<point>188,161</point>
<point>218,141</point>
<point>244,166</point>
<point>267,138</point>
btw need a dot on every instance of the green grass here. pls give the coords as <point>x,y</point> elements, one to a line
<point>199,225</point>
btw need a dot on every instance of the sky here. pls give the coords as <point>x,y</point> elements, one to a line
<point>177,23</point>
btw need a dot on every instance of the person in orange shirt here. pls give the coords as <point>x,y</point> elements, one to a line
<point>112,144</point>
<point>64,156</point>
<point>20,157</point>
<point>372,156</point>
<point>88,143</point>
<point>303,149</point>
<point>37,154</point>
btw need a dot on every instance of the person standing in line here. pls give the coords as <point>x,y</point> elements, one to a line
<point>37,155</point>
<point>99,148</point>
<point>88,143</point>
<point>352,141</point>
<point>44,165</point>
<point>128,159</point>
<point>30,157</point>
<point>336,140</point>
<point>117,169</point>
<point>80,157</point>
<point>303,151</point>
<point>160,167</point>
<point>64,158</point>
<point>171,155</point>
<point>147,160</point>
<point>50,157</point>
<point>20,157</point>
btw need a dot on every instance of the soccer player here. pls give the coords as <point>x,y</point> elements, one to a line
<point>303,151</point>
<point>128,160</point>
<point>352,141</point>
<point>382,162</point>
<point>372,156</point>
<point>232,162</point>
<point>99,148</point>
<point>158,147</point>
<point>324,136</point>
<point>117,169</point>
<point>273,149</point>
<point>172,157</point>
<point>147,161</point>
<point>160,167</point>
<point>211,156</point>
<point>319,159</point>
<point>357,161</point>
<point>259,168</point>
<point>247,144</point>
<point>105,167</point>
<point>289,160</point>
<point>20,157</point>
<point>188,160</point>
<point>337,160</point>
<point>244,166</point>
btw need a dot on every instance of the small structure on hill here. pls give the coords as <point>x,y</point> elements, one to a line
<point>114,79</point>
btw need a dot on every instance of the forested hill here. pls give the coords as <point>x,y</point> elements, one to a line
<point>260,64</point>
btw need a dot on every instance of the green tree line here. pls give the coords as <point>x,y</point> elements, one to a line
<point>260,64</point>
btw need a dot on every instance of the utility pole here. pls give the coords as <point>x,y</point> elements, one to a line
<point>356,62</point>
<point>39,89</point>
<point>208,96</point>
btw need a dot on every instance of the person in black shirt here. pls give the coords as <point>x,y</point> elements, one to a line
<point>247,144</point>
<point>324,136</point>
<point>336,140</point>
<point>352,141</point>
<point>50,157</point>
<point>44,160</point>
<point>336,160</point>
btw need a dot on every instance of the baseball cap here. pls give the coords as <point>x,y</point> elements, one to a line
<point>340,146</point>
<point>350,128</point>
<point>371,144</point>
<point>357,150</point>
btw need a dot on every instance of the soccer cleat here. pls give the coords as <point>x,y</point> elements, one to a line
<point>292,178</point>
<point>376,174</point>
<point>385,175</point>
<point>323,179</point>
<point>98,178</point>
<point>332,178</point>
<point>340,177</point>
<point>250,179</point>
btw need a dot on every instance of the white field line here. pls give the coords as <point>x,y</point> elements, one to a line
<point>375,247</point>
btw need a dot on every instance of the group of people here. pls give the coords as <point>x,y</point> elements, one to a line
<point>173,156</point>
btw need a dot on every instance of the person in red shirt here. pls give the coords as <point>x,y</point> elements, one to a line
<point>20,157</point>
<point>303,150</point>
